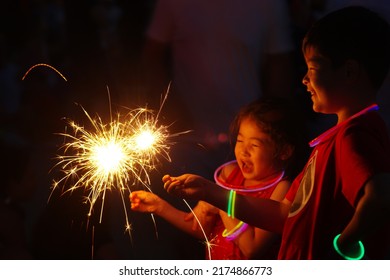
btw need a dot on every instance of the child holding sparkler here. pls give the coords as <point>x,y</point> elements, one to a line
<point>339,206</point>
<point>265,144</point>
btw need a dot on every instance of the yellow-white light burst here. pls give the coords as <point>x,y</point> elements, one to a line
<point>145,140</point>
<point>108,157</point>
<point>114,155</point>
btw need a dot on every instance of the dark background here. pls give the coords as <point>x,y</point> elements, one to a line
<point>96,46</point>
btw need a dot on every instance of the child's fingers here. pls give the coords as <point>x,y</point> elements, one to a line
<point>134,201</point>
<point>172,184</point>
<point>132,197</point>
<point>195,224</point>
<point>166,178</point>
<point>188,217</point>
<point>141,201</point>
<point>139,197</point>
<point>169,179</point>
<point>134,206</point>
<point>191,217</point>
<point>135,196</point>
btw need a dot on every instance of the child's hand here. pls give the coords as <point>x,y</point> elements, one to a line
<point>148,202</point>
<point>204,212</point>
<point>186,186</point>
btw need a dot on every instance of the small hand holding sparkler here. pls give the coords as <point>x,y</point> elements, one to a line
<point>143,201</point>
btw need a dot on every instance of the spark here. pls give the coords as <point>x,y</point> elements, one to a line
<point>210,245</point>
<point>116,155</point>
<point>44,65</point>
<point>113,156</point>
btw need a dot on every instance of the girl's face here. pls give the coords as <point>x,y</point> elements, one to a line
<point>255,152</point>
<point>323,82</point>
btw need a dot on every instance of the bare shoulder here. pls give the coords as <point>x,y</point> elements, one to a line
<point>227,170</point>
<point>281,190</point>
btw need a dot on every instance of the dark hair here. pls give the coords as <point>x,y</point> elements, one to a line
<point>353,33</point>
<point>282,120</point>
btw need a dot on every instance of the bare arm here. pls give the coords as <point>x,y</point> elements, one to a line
<point>255,241</point>
<point>267,214</point>
<point>372,212</point>
<point>148,202</point>
<point>203,214</point>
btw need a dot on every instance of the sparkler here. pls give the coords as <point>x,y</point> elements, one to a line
<point>115,155</point>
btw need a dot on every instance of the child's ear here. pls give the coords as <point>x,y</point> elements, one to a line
<point>286,152</point>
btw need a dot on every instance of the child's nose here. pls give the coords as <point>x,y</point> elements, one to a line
<point>244,151</point>
<point>305,80</point>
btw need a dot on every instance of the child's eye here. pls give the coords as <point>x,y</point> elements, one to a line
<point>256,144</point>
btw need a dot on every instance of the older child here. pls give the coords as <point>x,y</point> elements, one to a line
<point>265,144</point>
<point>339,206</point>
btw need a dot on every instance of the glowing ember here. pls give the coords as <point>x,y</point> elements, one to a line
<point>116,155</point>
<point>108,157</point>
<point>145,140</point>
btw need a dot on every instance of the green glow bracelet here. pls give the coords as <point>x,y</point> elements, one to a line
<point>231,203</point>
<point>336,247</point>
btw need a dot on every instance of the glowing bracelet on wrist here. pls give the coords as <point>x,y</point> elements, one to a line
<point>235,232</point>
<point>337,249</point>
<point>231,203</point>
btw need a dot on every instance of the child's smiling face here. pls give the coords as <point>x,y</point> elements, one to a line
<point>323,82</point>
<point>255,152</point>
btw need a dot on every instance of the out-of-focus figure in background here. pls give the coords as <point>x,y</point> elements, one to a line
<point>220,55</point>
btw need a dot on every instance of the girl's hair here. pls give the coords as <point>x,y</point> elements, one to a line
<point>282,120</point>
<point>353,33</point>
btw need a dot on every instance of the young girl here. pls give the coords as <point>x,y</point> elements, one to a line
<point>266,139</point>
